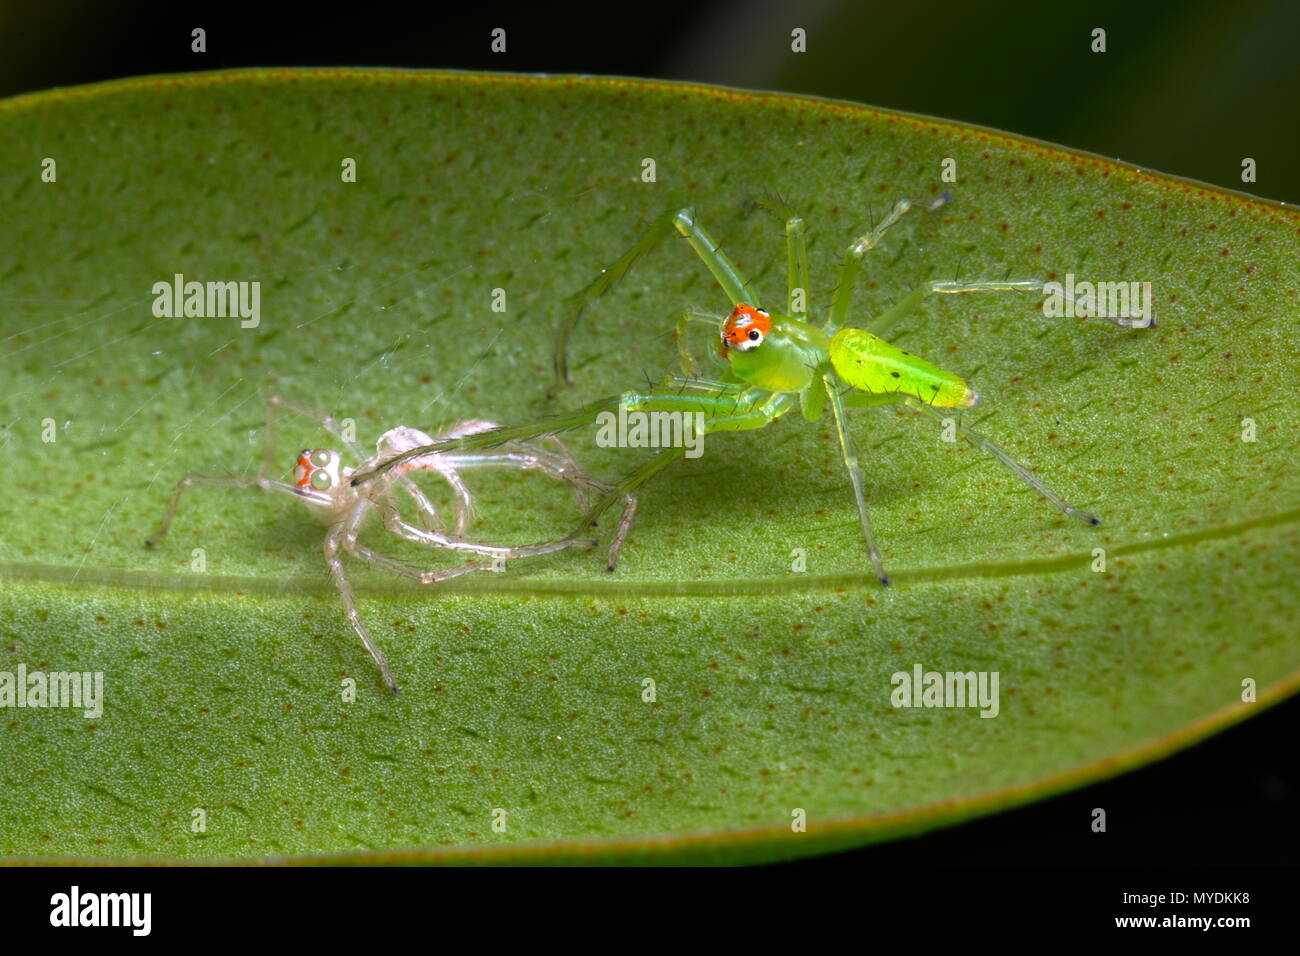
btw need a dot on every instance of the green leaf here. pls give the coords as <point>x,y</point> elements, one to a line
<point>523,691</point>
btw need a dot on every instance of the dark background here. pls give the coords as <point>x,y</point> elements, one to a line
<point>1186,88</point>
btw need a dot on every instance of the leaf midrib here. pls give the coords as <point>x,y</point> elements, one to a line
<point>110,578</point>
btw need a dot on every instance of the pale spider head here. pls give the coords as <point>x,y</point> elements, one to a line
<point>319,470</point>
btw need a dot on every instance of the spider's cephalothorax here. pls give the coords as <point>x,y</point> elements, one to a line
<point>321,482</point>
<point>317,469</point>
<point>772,351</point>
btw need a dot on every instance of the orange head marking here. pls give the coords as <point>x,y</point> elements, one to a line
<point>317,469</point>
<point>746,328</point>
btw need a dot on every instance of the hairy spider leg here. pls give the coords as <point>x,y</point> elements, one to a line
<point>796,254</point>
<point>849,454</point>
<point>1023,473</point>
<point>683,221</point>
<point>884,323</point>
<point>853,256</point>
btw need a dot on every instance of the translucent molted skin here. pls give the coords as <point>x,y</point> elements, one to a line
<point>323,482</point>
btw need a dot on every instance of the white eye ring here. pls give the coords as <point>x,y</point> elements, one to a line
<point>752,341</point>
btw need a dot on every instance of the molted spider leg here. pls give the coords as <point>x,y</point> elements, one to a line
<point>559,464</point>
<point>400,439</point>
<point>394,523</point>
<point>579,481</point>
<point>885,321</point>
<point>522,457</point>
<point>385,563</point>
<point>848,275</point>
<point>525,456</point>
<point>393,566</point>
<point>424,507</point>
<point>327,422</point>
<point>333,544</point>
<point>1021,472</point>
<point>217,482</point>
<point>724,271</point>
<point>620,535</point>
<point>725,410</point>
<point>519,455</point>
<point>584,486</point>
<point>344,535</point>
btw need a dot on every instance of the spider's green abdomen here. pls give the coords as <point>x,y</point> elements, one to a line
<point>869,363</point>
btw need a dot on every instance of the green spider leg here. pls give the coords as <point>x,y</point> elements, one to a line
<point>812,399</point>
<point>883,323</point>
<point>688,360</point>
<point>876,400</point>
<point>1023,473</point>
<point>728,404</point>
<point>796,254</point>
<point>849,453</point>
<point>683,221</point>
<point>853,255</point>
<point>760,411</point>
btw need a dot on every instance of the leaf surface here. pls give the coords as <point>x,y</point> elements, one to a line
<point>524,692</point>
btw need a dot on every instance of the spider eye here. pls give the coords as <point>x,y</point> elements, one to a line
<point>746,328</point>
<point>320,480</point>
<point>320,458</point>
